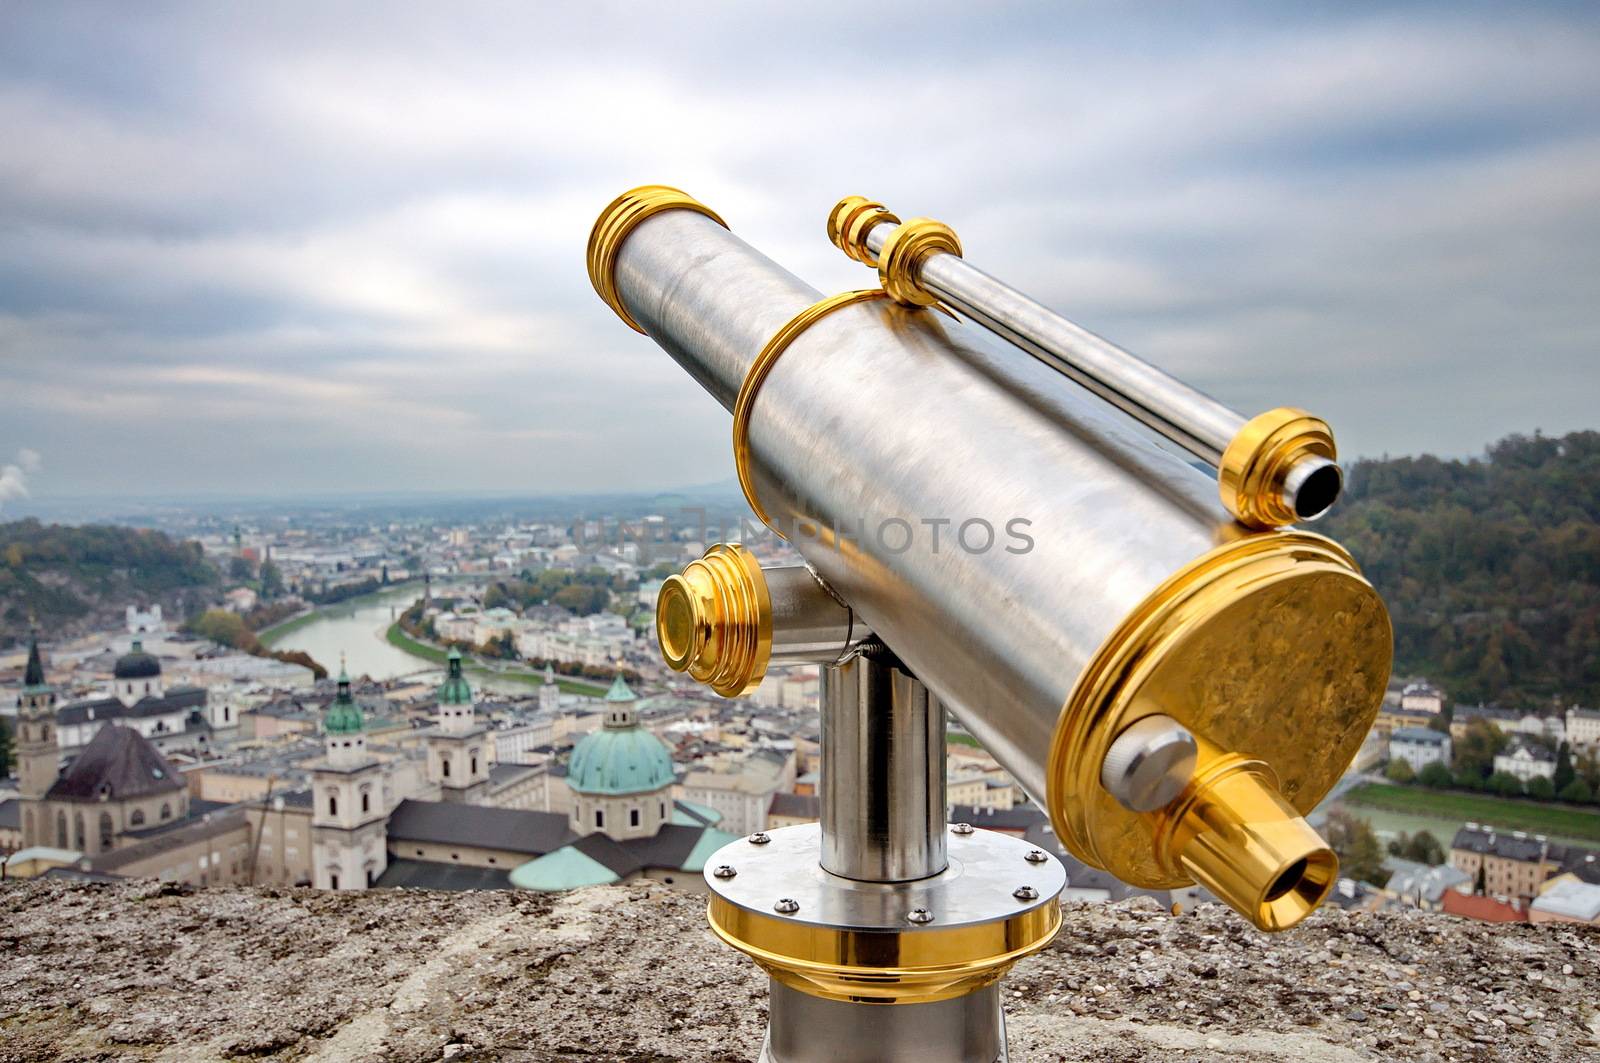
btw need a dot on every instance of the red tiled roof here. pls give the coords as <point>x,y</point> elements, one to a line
<point>1484,909</point>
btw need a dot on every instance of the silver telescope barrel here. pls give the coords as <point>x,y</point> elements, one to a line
<point>1030,555</point>
<point>924,266</point>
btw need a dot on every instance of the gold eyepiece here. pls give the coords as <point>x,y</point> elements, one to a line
<point>850,221</point>
<point>714,620</point>
<point>1281,468</point>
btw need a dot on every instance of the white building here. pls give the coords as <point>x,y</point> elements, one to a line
<point>1553,727</point>
<point>743,795</point>
<point>1422,697</point>
<point>1525,761</point>
<point>145,621</point>
<point>516,744</point>
<point>1419,747</point>
<point>1583,727</point>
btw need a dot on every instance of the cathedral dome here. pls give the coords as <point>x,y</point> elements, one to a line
<point>620,761</point>
<point>137,664</point>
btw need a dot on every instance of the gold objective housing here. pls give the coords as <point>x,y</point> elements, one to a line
<point>714,620</point>
<point>1274,652</point>
<point>617,221</point>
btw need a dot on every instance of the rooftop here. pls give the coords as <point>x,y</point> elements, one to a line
<point>508,829</point>
<point>1423,736</point>
<point>117,764</point>
<point>513,975</point>
<point>1574,900</point>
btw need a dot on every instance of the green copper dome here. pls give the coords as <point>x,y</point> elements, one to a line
<point>344,715</point>
<point>455,690</point>
<point>621,757</point>
<point>620,761</point>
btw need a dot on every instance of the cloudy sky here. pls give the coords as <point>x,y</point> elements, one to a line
<point>284,249</point>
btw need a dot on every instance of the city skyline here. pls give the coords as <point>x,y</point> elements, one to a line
<point>308,252</point>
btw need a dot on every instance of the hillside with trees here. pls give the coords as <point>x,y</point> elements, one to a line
<point>1490,567</point>
<point>70,578</point>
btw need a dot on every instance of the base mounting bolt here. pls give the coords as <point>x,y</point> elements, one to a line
<point>960,828</point>
<point>724,871</point>
<point>786,906</point>
<point>920,915</point>
<point>1025,893</point>
<point>760,838</point>
<point>1035,856</point>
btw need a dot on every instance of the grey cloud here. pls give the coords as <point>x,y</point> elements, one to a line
<point>322,248</point>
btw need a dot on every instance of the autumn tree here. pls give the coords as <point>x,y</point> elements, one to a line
<point>1355,842</point>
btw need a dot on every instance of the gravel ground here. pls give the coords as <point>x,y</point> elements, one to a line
<point>630,973</point>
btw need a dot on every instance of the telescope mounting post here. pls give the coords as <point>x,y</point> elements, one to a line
<point>885,930</point>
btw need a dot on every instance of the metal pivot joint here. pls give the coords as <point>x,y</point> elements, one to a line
<point>1276,469</point>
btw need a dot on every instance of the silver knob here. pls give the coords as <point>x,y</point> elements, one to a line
<point>1149,764</point>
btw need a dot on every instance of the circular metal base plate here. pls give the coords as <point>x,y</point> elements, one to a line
<point>987,871</point>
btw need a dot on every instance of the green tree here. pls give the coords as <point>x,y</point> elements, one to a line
<point>1474,753</point>
<point>1565,772</point>
<point>1577,792</point>
<point>1355,842</point>
<point>5,750</point>
<point>1436,776</point>
<point>1421,847</point>
<point>1541,788</point>
<point>1505,784</point>
<point>240,569</point>
<point>1399,771</point>
<point>271,581</point>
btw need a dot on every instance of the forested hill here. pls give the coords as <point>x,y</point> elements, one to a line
<point>1490,567</point>
<point>71,577</point>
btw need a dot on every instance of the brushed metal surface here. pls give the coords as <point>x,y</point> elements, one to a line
<point>880,420</point>
<point>883,774</point>
<point>807,1029</point>
<point>1189,417</point>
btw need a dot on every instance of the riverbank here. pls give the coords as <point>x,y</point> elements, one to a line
<point>397,638</point>
<point>1559,822</point>
<point>273,632</point>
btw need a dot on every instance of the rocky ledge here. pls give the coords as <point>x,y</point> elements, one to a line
<point>630,973</point>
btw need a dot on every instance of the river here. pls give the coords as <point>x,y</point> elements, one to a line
<point>356,629</point>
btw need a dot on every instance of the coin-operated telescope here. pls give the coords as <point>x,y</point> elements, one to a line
<point>998,518</point>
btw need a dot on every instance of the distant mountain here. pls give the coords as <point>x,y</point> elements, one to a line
<point>1490,567</point>
<point>70,578</point>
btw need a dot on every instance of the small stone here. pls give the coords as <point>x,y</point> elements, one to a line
<point>1566,968</point>
<point>1429,1031</point>
<point>453,1050</point>
<point>1356,1016</point>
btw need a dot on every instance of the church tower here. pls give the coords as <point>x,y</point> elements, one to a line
<point>549,692</point>
<point>348,819</point>
<point>458,757</point>
<point>37,749</point>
